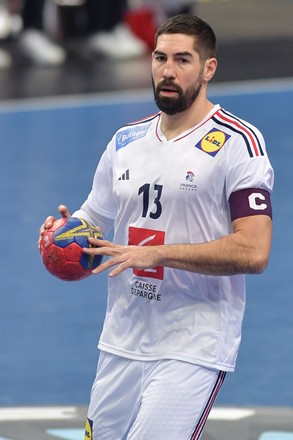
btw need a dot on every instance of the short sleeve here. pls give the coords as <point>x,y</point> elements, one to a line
<point>101,198</point>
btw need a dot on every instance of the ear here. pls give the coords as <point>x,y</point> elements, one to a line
<point>210,68</point>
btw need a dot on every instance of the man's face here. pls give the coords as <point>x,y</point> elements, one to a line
<point>177,73</point>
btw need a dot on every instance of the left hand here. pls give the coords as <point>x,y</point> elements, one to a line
<point>48,222</point>
<point>123,257</point>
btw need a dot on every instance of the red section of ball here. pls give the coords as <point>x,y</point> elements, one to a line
<point>61,249</point>
<point>73,252</point>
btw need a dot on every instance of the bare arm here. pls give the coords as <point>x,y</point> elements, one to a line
<point>245,250</point>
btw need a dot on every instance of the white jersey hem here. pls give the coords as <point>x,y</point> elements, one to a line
<point>149,357</point>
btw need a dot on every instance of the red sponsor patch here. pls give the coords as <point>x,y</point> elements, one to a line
<point>147,237</point>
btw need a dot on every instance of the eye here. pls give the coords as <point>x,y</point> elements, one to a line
<point>183,60</point>
<point>160,58</point>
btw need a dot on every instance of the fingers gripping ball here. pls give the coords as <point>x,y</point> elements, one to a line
<point>61,249</point>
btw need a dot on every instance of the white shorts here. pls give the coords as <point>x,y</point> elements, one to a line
<point>166,399</point>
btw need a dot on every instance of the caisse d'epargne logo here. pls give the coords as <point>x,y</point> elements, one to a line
<point>147,237</point>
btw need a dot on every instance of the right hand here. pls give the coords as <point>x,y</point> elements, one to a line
<point>48,223</point>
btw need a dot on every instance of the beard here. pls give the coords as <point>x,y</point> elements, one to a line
<point>179,104</point>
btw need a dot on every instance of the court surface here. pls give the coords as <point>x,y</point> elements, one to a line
<point>49,329</point>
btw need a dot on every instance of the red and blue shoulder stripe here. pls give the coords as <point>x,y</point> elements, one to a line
<point>144,120</point>
<point>250,137</point>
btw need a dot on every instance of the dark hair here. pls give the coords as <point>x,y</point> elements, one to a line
<point>204,36</point>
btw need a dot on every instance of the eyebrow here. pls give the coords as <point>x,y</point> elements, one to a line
<point>177,54</point>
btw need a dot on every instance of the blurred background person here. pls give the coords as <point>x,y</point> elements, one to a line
<point>109,33</point>
<point>118,29</point>
<point>102,24</point>
<point>33,40</point>
<point>145,16</point>
<point>23,20</point>
<point>10,24</point>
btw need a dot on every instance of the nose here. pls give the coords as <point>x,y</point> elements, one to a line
<point>169,70</point>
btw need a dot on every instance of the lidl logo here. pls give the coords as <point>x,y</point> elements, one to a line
<point>212,142</point>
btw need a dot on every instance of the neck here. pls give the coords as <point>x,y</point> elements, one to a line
<point>174,125</point>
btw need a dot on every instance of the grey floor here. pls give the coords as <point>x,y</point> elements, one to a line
<point>223,424</point>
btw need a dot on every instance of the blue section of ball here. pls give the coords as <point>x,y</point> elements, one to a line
<point>78,231</point>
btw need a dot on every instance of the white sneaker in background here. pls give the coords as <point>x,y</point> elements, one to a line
<point>5,59</point>
<point>120,43</point>
<point>39,49</point>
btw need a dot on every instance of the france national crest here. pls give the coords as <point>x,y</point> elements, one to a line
<point>189,176</point>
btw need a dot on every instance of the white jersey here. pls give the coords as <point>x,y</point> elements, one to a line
<point>163,191</point>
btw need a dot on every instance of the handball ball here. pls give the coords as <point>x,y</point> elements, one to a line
<point>61,249</point>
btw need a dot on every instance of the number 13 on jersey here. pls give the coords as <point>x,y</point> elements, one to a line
<point>145,191</point>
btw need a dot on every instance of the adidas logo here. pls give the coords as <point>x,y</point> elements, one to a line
<point>125,176</point>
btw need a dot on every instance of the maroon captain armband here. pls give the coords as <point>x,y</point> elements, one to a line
<point>252,201</point>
